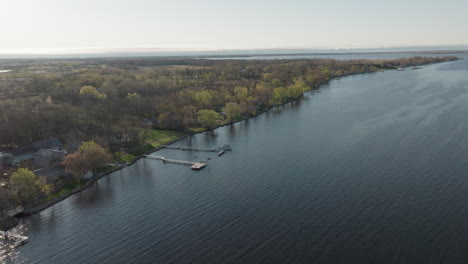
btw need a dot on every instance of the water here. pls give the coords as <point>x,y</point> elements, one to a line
<point>347,56</point>
<point>368,169</point>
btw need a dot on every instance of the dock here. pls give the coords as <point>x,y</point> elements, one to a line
<point>18,240</point>
<point>187,148</point>
<point>179,147</point>
<point>193,165</point>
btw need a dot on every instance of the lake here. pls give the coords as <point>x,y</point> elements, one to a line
<point>335,56</point>
<point>370,168</point>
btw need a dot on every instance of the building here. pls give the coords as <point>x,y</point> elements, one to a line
<point>6,160</point>
<point>28,153</point>
<point>48,157</point>
<point>50,143</point>
<point>23,154</point>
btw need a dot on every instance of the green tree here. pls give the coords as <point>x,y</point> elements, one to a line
<point>209,118</point>
<point>241,93</point>
<point>133,95</point>
<point>28,184</point>
<point>232,110</point>
<point>91,92</point>
<point>279,95</point>
<point>297,90</point>
<point>203,98</point>
<point>263,92</point>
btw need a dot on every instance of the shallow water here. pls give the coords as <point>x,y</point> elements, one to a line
<point>368,169</point>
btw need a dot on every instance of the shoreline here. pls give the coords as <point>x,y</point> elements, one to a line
<point>39,208</point>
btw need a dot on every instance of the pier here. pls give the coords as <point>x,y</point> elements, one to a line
<point>193,165</point>
<point>187,148</point>
<point>17,239</point>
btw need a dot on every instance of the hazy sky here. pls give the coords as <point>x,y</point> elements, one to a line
<point>58,25</point>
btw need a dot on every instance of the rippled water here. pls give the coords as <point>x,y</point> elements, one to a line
<point>369,169</point>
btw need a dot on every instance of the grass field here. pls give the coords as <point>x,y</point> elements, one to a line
<point>156,137</point>
<point>153,139</point>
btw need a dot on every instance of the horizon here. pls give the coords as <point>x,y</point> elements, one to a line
<point>53,27</point>
<point>92,52</point>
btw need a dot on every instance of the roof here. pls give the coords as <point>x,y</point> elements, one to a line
<point>22,150</point>
<point>50,152</point>
<point>51,172</point>
<point>49,143</point>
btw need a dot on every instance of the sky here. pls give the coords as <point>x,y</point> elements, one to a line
<point>74,26</point>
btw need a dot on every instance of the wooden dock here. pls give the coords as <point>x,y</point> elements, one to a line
<point>187,148</point>
<point>18,240</point>
<point>193,165</point>
<point>179,147</point>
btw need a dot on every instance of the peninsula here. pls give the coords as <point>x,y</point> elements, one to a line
<point>64,123</point>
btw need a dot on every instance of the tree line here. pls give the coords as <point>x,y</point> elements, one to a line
<point>106,97</point>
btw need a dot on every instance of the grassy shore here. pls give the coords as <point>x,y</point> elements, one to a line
<point>153,138</point>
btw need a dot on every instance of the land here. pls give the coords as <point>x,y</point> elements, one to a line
<point>65,123</point>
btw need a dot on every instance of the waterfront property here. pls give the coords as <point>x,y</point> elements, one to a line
<point>43,152</point>
<point>6,160</point>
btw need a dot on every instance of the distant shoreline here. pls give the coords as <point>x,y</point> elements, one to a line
<point>231,53</point>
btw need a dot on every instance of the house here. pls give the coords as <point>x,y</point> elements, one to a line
<point>48,157</point>
<point>23,154</point>
<point>50,143</point>
<point>27,153</point>
<point>54,175</point>
<point>73,145</point>
<point>6,160</point>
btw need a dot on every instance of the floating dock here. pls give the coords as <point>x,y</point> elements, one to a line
<point>17,239</point>
<point>193,165</point>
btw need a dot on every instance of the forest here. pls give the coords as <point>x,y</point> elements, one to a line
<point>112,99</point>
